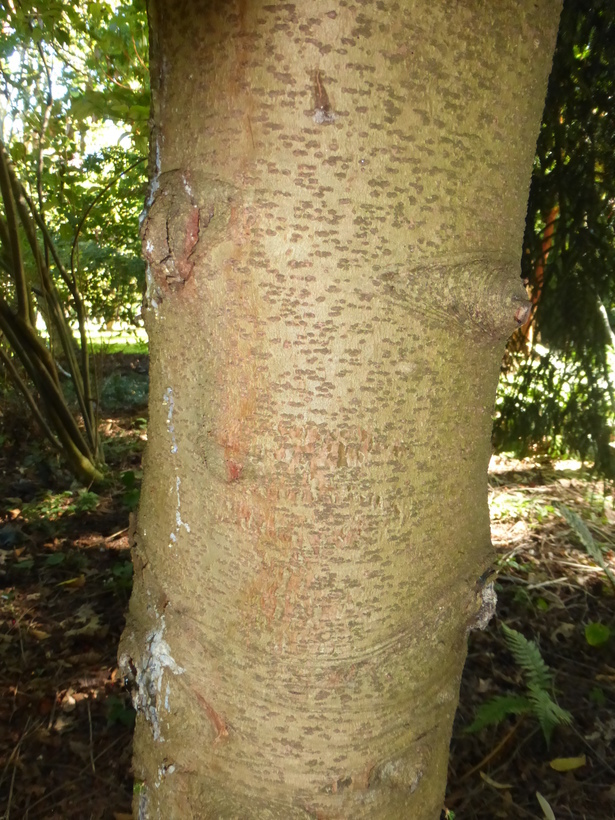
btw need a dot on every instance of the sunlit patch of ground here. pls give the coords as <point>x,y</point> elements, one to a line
<point>553,592</point>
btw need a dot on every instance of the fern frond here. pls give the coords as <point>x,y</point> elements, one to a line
<point>587,539</point>
<point>580,527</point>
<point>549,714</point>
<point>495,710</point>
<point>528,657</point>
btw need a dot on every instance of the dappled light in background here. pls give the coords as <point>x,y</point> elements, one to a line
<point>557,391</point>
<point>71,78</point>
<point>74,100</point>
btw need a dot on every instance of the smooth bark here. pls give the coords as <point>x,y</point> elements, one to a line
<point>333,236</point>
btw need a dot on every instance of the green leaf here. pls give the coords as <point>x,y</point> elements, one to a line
<point>495,710</point>
<point>580,527</point>
<point>123,570</point>
<point>139,112</point>
<point>597,696</point>
<point>544,805</point>
<point>128,479</point>
<point>131,498</point>
<point>87,501</point>
<point>55,558</point>
<point>587,539</point>
<point>549,714</point>
<point>528,657</point>
<point>568,764</point>
<point>120,712</point>
<point>27,563</point>
<point>597,634</point>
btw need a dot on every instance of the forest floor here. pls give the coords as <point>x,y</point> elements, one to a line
<point>65,577</point>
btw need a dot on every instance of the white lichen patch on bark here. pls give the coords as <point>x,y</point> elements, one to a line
<point>147,694</point>
<point>163,770</point>
<point>150,282</point>
<point>154,183</point>
<point>178,519</point>
<point>187,187</point>
<point>489,600</point>
<point>321,116</point>
<point>142,806</point>
<point>168,400</point>
<point>155,180</point>
<point>151,288</point>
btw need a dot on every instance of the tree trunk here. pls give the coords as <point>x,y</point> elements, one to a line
<point>333,232</point>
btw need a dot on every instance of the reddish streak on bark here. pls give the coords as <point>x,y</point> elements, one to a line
<point>233,470</point>
<point>321,98</point>
<point>269,602</point>
<point>191,237</point>
<point>547,244</point>
<point>217,722</point>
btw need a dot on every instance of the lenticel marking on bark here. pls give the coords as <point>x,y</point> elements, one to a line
<point>322,106</point>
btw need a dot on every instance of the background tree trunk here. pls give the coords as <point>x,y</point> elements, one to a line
<point>337,204</point>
